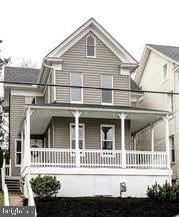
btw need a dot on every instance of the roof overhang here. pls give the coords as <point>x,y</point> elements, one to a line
<point>41,115</point>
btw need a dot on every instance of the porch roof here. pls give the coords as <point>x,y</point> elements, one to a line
<point>42,114</point>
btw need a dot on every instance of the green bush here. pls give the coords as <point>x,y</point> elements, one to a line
<point>45,186</point>
<point>164,192</point>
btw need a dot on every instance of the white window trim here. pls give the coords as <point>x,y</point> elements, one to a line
<point>113,127</point>
<point>77,102</point>
<point>94,45</point>
<point>83,126</point>
<point>164,79</point>
<point>17,165</point>
<point>103,103</point>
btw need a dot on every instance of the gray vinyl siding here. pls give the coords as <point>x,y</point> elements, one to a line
<point>16,113</point>
<point>39,100</point>
<point>92,132</point>
<point>75,60</point>
<point>46,96</point>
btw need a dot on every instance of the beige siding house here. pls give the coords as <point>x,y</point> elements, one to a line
<point>80,123</point>
<point>158,71</point>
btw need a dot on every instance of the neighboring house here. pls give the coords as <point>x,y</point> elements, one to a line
<point>77,131</point>
<point>159,71</point>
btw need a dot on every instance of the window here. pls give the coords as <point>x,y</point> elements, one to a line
<point>107,95</point>
<point>172,148</point>
<point>165,72</point>
<point>81,136</point>
<point>107,137</point>
<point>76,93</point>
<point>170,106</point>
<point>29,100</point>
<point>18,152</point>
<point>90,46</point>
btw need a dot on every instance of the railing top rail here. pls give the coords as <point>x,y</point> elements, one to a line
<point>146,152</point>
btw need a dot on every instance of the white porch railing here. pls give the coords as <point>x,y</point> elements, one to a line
<point>146,159</point>
<point>53,157</point>
<point>4,186</point>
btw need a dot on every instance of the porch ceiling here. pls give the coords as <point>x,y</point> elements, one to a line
<point>41,115</point>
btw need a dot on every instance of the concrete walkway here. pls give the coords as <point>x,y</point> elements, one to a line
<point>15,199</point>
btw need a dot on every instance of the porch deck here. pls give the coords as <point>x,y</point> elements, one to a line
<point>91,158</point>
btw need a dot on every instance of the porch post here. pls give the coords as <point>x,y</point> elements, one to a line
<point>152,138</point>
<point>27,139</point>
<point>77,115</point>
<point>122,117</point>
<point>167,140</point>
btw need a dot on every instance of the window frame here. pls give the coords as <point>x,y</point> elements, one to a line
<point>165,67</point>
<point>170,102</point>
<point>101,141</point>
<point>77,102</point>
<point>112,100</point>
<point>18,165</point>
<point>88,46</point>
<point>83,127</point>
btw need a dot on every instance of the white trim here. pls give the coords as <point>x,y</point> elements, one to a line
<point>113,128</point>
<point>54,88</point>
<point>90,34</point>
<point>25,93</point>
<point>78,102</point>
<point>83,127</point>
<point>17,165</point>
<point>103,103</point>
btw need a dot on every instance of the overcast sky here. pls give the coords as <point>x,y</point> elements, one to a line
<point>31,28</point>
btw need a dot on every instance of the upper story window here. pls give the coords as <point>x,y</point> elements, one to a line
<point>76,94</point>
<point>165,72</point>
<point>90,46</point>
<point>107,94</point>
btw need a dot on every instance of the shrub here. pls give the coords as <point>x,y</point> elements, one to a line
<point>46,186</point>
<point>164,192</point>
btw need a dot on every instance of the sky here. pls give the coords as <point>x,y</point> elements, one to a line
<point>32,28</point>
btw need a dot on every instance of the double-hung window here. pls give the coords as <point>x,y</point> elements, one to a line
<point>81,136</point>
<point>107,137</point>
<point>18,152</point>
<point>107,93</point>
<point>90,46</point>
<point>165,72</point>
<point>76,92</point>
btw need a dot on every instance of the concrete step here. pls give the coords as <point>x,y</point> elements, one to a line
<point>13,185</point>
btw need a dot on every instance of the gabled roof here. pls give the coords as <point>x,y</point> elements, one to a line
<point>94,26</point>
<point>170,53</point>
<point>21,74</point>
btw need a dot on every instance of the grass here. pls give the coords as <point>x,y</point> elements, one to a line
<point>105,207</point>
<point>1,199</point>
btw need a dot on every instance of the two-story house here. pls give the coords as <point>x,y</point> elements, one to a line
<point>158,71</point>
<point>80,123</point>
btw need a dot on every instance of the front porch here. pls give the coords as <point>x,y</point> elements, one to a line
<point>114,151</point>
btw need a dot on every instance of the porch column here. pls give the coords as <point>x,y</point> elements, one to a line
<point>77,115</point>
<point>27,159</point>
<point>122,117</point>
<point>152,138</point>
<point>167,140</point>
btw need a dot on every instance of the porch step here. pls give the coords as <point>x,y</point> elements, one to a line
<point>13,185</point>
<point>15,199</point>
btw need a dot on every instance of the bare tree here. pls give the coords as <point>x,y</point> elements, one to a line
<point>27,63</point>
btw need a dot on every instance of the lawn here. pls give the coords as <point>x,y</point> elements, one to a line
<point>1,199</point>
<point>105,207</point>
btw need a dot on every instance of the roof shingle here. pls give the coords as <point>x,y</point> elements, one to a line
<point>21,74</point>
<point>170,51</point>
